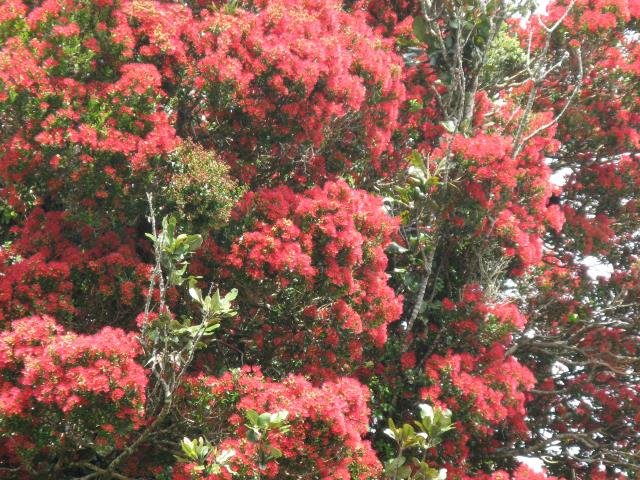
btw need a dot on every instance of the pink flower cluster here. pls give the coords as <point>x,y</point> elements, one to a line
<point>328,243</point>
<point>327,425</point>
<point>51,377</point>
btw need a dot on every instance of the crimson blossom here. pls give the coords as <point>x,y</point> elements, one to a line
<point>405,196</point>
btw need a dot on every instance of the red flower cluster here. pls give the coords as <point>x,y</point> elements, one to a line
<point>53,261</point>
<point>327,425</point>
<point>522,472</point>
<point>315,78</point>
<point>52,380</point>
<point>324,250</point>
<point>75,120</point>
<point>95,98</point>
<point>499,183</point>
<point>491,386</point>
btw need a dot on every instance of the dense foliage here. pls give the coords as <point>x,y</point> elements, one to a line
<point>422,215</point>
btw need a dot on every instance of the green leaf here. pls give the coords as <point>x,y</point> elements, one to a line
<point>420,28</point>
<point>211,328</point>
<point>404,472</point>
<point>188,448</point>
<point>264,420</point>
<point>252,416</point>
<point>232,295</point>
<point>274,452</point>
<point>416,160</point>
<point>168,228</point>
<point>426,411</point>
<point>415,105</point>
<point>396,462</point>
<point>196,294</point>
<point>397,248</point>
<point>449,126</point>
<point>279,417</point>
<point>254,435</point>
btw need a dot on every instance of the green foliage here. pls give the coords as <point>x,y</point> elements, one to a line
<point>201,192</point>
<point>493,329</point>
<point>7,215</point>
<point>175,249</point>
<point>428,431</point>
<point>214,305</point>
<point>208,459</point>
<point>418,195</point>
<point>505,58</point>
<point>259,426</point>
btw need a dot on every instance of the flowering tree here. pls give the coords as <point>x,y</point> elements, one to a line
<point>335,240</point>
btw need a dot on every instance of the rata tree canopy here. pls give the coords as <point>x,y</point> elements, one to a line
<point>317,239</point>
